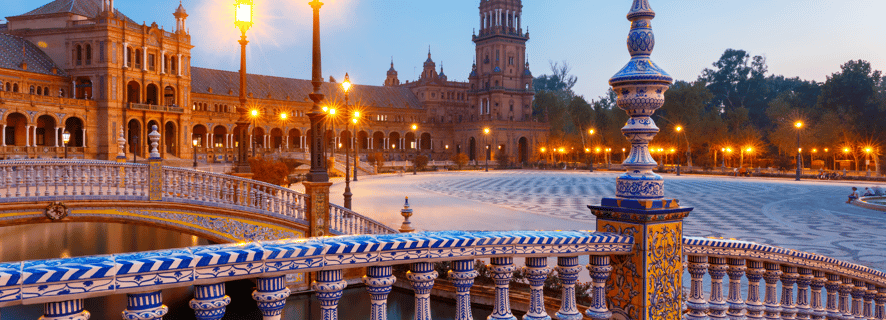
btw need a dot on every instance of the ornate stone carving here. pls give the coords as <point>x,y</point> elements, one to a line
<point>57,211</point>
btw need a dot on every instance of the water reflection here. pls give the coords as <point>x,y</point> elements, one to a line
<point>65,240</point>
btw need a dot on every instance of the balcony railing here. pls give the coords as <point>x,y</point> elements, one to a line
<point>152,107</point>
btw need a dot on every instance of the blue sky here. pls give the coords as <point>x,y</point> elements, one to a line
<point>809,39</point>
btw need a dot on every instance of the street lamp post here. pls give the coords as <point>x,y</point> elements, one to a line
<point>254,115</point>
<point>346,86</point>
<point>243,14</point>
<point>591,133</point>
<point>356,142</point>
<point>688,148</point>
<point>798,125</point>
<point>195,142</point>
<point>486,143</point>
<point>415,147</point>
<point>66,137</point>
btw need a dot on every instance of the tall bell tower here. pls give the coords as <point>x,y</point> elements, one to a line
<point>501,82</point>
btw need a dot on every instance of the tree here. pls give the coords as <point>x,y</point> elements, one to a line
<point>460,160</point>
<point>853,91</point>
<point>421,162</point>
<point>738,81</point>
<point>269,170</point>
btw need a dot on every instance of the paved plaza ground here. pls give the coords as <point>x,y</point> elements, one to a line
<point>807,215</point>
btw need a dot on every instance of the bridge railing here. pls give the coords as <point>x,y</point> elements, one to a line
<point>810,272</point>
<point>344,221</point>
<point>185,185</point>
<point>62,284</point>
<point>53,180</point>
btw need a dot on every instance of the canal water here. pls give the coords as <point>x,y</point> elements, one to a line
<point>63,240</point>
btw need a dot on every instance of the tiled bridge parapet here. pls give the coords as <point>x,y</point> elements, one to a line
<point>218,207</point>
<point>68,281</point>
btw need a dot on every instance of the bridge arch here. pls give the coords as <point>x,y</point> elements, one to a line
<point>16,129</point>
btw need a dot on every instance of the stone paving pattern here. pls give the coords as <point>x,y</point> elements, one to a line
<point>808,215</point>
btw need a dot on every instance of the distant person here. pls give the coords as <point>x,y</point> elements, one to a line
<point>853,195</point>
<point>868,192</point>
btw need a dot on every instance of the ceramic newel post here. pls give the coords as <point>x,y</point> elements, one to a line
<point>155,167</point>
<point>639,207</point>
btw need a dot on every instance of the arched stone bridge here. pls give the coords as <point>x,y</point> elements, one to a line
<point>217,207</point>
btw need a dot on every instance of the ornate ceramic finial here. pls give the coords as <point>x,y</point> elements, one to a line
<point>121,144</point>
<point>406,227</point>
<point>155,142</point>
<point>640,87</point>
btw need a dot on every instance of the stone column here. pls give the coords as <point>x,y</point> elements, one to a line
<point>65,310</point>
<point>27,136</point>
<point>210,301</point>
<point>379,281</point>
<point>145,306</point>
<point>462,276</point>
<point>2,135</point>
<point>57,129</point>
<point>270,294</point>
<point>125,55</point>
<point>144,58</point>
<point>178,68</point>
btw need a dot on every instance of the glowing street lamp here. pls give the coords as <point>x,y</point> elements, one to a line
<point>346,87</point>
<point>254,115</point>
<point>195,142</point>
<point>66,137</point>
<point>799,126</point>
<point>415,147</point>
<point>243,20</point>
<point>488,150</point>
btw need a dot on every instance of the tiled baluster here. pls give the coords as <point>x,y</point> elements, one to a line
<point>536,271</point>
<point>697,304</point>
<point>869,300</point>
<point>38,180</point>
<point>270,295</point>
<point>65,310</point>
<point>804,311</point>
<point>880,304</point>
<point>567,271</point>
<point>818,282</point>
<point>770,302</point>
<point>18,183</point>
<point>600,272</point>
<point>833,286</point>
<point>209,301</point>
<point>737,306</point>
<point>462,276</point>
<point>502,270</point>
<point>845,302</point>
<point>27,180</point>
<point>82,179</point>
<point>379,281</point>
<point>145,306</point>
<point>422,276</point>
<point>858,291</point>
<point>329,287</point>
<point>788,279</point>
<point>90,179</point>
<point>717,306</point>
<point>101,180</point>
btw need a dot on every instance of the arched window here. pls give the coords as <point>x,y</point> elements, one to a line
<point>1,86</point>
<point>128,57</point>
<point>32,90</point>
<point>138,58</point>
<point>39,91</point>
<point>15,88</point>
<point>61,93</point>
<point>45,91</point>
<point>88,54</point>
<point>79,55</point>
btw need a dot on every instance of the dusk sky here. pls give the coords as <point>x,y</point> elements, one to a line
<point>809,39</point>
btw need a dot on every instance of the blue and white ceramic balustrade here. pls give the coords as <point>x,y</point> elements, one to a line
<point>62,284</point>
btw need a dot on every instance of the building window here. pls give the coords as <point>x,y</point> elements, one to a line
<point>151,63</point>
<point>88,54</point>
<point>79,55</point>
<point>32,90</point>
